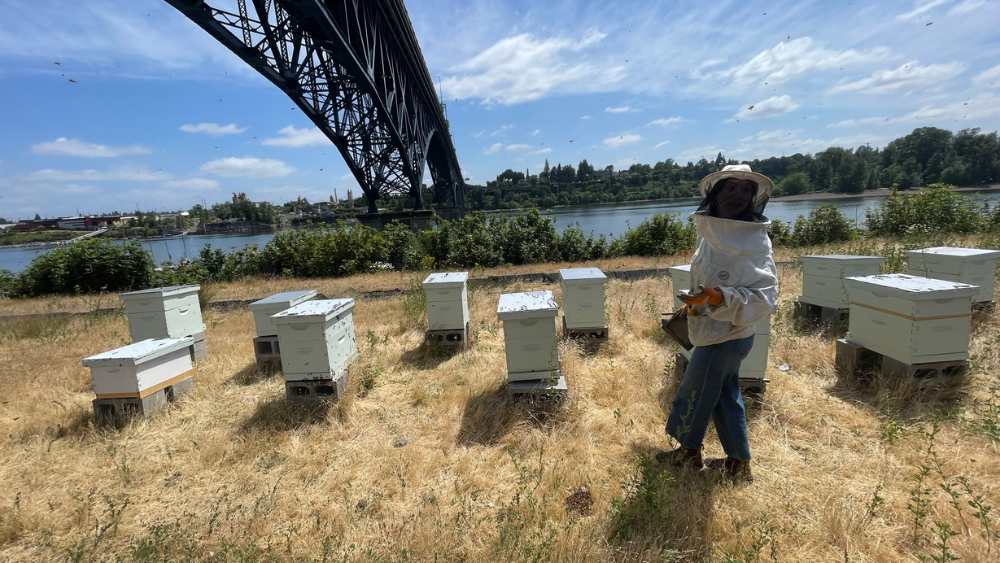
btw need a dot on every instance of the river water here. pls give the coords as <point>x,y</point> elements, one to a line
<point>611,219</point>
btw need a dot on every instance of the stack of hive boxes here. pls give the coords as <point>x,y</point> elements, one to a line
<point>583,303</point>
<point>266,349</point>
<point>915,323</point>
<point>754,366</point>
<point>317,344</point>
<point>973,266</point>
<point>447,301</point>
<point>824,292</point>
<point>167,312</point>
<point>531,343</point>
<point>142,377</point>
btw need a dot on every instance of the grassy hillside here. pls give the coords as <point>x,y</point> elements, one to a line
<point>846,470</point>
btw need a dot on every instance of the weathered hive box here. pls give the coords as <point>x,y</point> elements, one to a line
<point>911,319</point>
<point>530,334</point>
<point>140,369</point>
<point>163,312</point>
<point>317,339</point>
<point>755,364</point>
<point>583,297</point>
<point>823,277</point>
<point>265,308</point>
<point>973,266</point>
<point>447,300</point>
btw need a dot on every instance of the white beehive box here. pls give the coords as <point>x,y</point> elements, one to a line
<point>583,297</point>
<point>141,368</point>
<point>447,300</point>
<point>823,277</point>
<point>973,266</point>
<point>529,332</point>
<point>316,338</point>
<point>680,277</point>
<point>911,319</point>
<point>163,312</point>
<point>265,308</point>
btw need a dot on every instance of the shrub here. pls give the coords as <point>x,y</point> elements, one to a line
<point>936,209</point>
<point>659,235</point>
<point>473,243</point>
<point>574,246</point>
<point>826,224</point>
<point>403,248</point>
<point>525,239</point>
<point>88,266</point>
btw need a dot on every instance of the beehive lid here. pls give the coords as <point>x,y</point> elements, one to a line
<point>283,300</point>
<point>912,287</point>
<point>527,305</point>
<point>447,279</point>
<point>160,292</point>
<point>582,276</point>
<point>954,252</point>
<point>138,352</point>
<point>682,267</point>
<point>313,311</point>
<point>842,259</point>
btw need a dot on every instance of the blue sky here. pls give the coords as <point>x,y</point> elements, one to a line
<point>119,104</point>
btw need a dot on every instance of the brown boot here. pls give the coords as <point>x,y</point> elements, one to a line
<point>681,457</point>
<point>735,470</point>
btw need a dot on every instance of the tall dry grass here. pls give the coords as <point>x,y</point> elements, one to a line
<point>846,469</point>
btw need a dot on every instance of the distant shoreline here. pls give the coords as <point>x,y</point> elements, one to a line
<point>819,196</point>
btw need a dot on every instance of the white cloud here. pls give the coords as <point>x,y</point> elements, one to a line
<point>698,153</point>
<point>493,148</point>
<point>90,175</point>
<point>622,140</point>
<point>776,134</point>
<point>523,67</point>
<point>517,147</point>
<point>966,7</point>
<point>247,167</point>
<point>660,144</point>
<point>980,107</point>
<point>192,184</point>
<point>536,132</point>
<point>502,129</point>
<point>790,59</point>
<point>668,122</point>
<point>546,150</point>
<point>292,137</point>
<point>619,109</point>
<point>584,117</point>
<point>75,147</point>
<point>990,76</point>
<point>775,105</point>
<point>908,76</point>
<point>922,9</point>
<point>213,129</point>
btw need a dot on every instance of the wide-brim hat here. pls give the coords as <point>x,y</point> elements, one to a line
<point>740,171</point>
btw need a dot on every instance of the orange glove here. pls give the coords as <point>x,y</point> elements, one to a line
<point>707,296</point>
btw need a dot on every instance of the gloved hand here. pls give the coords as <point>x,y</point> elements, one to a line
<point>707,296</point>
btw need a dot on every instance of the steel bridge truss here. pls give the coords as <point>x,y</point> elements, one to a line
<point>355,69</point>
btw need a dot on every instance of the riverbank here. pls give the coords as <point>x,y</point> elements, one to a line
<point>820,196</point>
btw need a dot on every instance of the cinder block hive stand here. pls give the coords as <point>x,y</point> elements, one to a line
<point>973,266</point>
<point>266,349</point>
<point>447,299</point>
<point>317,345</point>
<point>911,326</point>
<point>142,377</point>
<point>531,344</point>
<point>167,312</point>
<point>754,366</point>
<point>824,298</point>
<point>583,304</point>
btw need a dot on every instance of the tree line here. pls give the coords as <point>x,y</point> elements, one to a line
<point>926,156</point>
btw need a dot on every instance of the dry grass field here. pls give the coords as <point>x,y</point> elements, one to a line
<point>846,469</point>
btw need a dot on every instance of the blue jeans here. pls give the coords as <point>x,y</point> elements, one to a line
<point>710,389</point>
